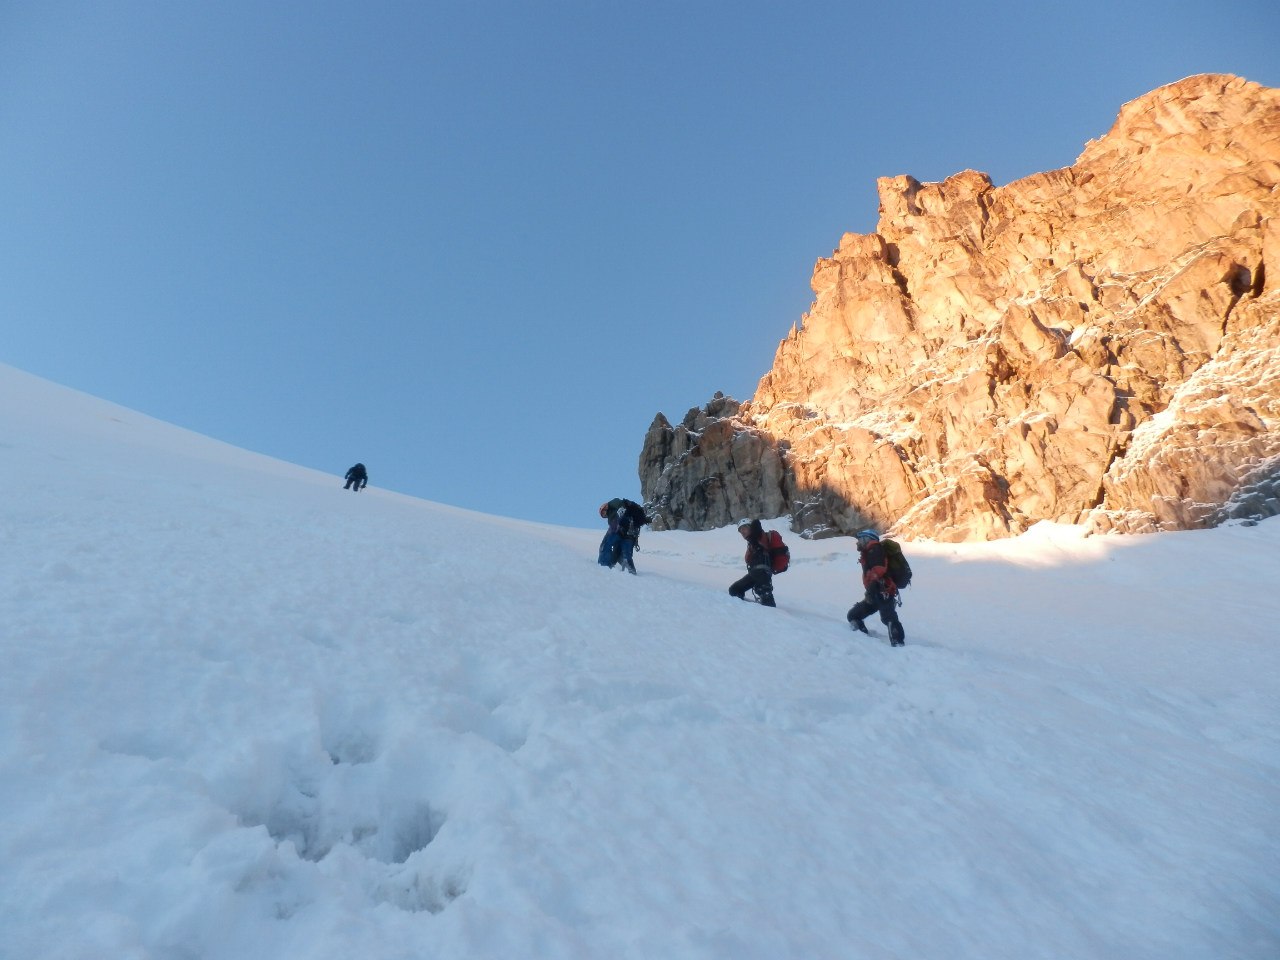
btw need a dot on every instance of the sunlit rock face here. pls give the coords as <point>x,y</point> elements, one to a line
<point>1098,344</point>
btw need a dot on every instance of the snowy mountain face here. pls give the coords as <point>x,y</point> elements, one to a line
<point>246,713</point>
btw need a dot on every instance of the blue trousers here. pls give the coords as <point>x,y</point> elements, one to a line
<point>615,548</point>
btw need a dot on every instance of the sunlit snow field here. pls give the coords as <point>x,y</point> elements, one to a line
<point>245,713</point>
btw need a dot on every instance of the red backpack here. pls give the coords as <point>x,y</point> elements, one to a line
<point>779,552</point>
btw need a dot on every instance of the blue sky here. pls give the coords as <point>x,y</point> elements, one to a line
<point>479,245</point>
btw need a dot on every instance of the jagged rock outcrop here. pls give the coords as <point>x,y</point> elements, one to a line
<point>1097,344</point>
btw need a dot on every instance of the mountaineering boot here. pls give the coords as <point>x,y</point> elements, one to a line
<point>897,636</point>
<point>859,625</point>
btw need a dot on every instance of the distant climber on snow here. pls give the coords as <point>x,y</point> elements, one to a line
<point>759,578</point>
<point>357,478</point>
<point>625,518</point>
<point>881,589</point>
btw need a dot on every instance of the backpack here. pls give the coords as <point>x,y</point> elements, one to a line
<point>779,552</point>
<point>899,569</point>
<point>632,518</point>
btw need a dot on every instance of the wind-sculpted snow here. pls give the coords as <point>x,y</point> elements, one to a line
<point>245,713</point>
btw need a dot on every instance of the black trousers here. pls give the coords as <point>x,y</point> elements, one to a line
<point>887,607</point>
<point>759,579</point>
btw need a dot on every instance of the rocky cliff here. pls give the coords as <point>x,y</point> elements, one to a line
<point>1096,344</point>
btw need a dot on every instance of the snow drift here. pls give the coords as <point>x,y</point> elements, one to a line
<point>247,714</point>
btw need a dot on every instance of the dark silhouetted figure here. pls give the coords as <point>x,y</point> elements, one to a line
<point>357,478</point>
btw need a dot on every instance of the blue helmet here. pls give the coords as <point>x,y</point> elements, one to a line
<point>866,536</point>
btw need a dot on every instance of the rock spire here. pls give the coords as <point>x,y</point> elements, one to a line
<point>1096,344</point>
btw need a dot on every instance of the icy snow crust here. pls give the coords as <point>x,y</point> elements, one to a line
<point>245,713</point>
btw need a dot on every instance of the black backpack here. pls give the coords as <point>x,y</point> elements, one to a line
<point>632,519</point>
<point>899,569</point>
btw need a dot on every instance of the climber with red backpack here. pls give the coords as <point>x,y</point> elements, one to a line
<point>884,570</point>
<point>766,555</point>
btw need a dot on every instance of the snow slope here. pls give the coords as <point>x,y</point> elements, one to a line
<point>247,714</point>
